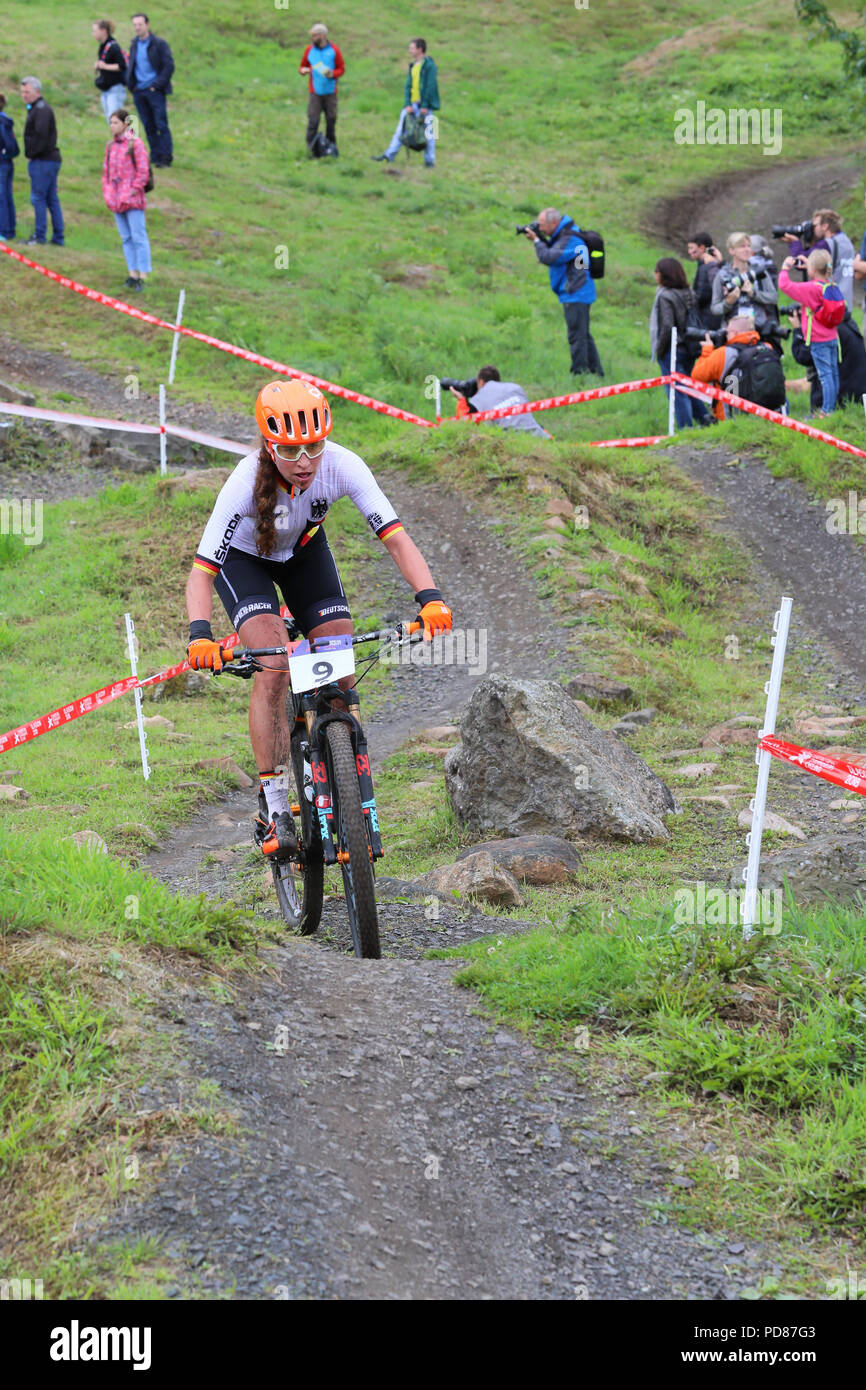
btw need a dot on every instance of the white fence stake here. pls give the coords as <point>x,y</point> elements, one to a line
<point>162,459</point>
<point>781,623</point>
<point>133,661</point>
<point>176,337</point>
<point>672,402</point>
<point>439,401</point>
<point>864,400</point>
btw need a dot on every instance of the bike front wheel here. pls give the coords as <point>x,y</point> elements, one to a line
<point>356,862</point>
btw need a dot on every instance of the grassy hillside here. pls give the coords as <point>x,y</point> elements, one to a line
<point>398,273</point>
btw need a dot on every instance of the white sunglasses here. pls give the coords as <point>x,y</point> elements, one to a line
<point>287,453</point>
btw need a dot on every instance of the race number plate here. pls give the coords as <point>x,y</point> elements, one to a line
<point>333,658</point>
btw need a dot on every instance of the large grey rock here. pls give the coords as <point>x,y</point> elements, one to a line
<point>477,876</point>
<point>127,461</point>
<point>8,392</point>
<point>829,866</point>
<point>530,762</point>
<point>538,859</point>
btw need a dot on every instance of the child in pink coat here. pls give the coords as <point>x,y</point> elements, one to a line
<point>822,341</point>
<point>125,172</point>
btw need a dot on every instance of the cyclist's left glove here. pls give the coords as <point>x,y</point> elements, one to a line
<point>203,653</point>
<point>434,614</point>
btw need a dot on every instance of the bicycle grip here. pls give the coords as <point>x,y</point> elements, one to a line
<point>414,627</point>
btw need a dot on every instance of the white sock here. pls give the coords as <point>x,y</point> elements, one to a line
<point>276,792</point>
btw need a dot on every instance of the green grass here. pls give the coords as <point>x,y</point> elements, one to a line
<point>764,1038</point>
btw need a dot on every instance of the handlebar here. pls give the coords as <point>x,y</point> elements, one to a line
<point>411,632</point>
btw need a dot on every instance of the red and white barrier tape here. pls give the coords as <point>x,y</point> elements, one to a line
<point>357,397</point>
<point>636,443</point>
<point>836,770</point>
<point>97,698</point>
<point>597,393</point>
<point>702,389</point>
<point>212,441</point>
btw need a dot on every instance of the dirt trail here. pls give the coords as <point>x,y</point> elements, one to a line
<point>776,191</point>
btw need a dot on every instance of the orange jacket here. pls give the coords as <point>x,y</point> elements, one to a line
<point>710,366</point>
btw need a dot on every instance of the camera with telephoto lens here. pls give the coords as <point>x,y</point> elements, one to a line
<point>717,336</point>
<point>528,227</point>
<point>731,279</point>
<point>801,230</point>
<point>466,388</point>
<point>786,310</point>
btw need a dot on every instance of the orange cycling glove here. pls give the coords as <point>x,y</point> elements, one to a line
<point>203,652</point>
<point>435,615</point>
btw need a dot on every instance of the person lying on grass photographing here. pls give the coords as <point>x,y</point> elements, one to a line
<point>265,532</point>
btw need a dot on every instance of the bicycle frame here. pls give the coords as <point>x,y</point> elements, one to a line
<point>316,709</point>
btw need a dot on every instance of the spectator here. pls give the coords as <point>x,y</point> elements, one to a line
<point>823,341</point>
<point>671,306</point>
<point>495,394</point>
<point>8,151</point>
<point>43,163</point>
<point>421,95</point>
<point>827,235</point>
<point>755,296</point>
<point>125,173</point>
<point>149,80</point>
<point>743,365</point>
<point>323,63</point>
<point>110,67</point>
<point>565,254</point>
<point>709,258</point>
<point>852,367</point>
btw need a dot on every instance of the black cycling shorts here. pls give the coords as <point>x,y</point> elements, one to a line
<point>308,581</point>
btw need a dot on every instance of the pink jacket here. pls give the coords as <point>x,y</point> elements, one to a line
<point>122,179</point>
<point>809,294</point>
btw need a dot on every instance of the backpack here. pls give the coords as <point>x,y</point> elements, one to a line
<point>413,137</point>
<point>595,246</point>
<point>758,376</point>
<point>148,187</point>
<point>322,147</point>
<point>831,311</point>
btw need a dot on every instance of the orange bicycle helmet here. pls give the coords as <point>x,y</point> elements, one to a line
<point>291,412</point>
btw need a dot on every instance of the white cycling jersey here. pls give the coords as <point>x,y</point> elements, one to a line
<point>298,515</point>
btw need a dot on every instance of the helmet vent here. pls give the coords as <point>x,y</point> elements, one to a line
<point>316,425</point>
<point>302,421</point>
<point>272,425</point>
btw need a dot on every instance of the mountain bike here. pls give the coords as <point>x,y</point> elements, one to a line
<point>335,815</point>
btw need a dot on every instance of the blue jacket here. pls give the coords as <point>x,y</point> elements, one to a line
<point>8,144</point>
<point>570,282</point>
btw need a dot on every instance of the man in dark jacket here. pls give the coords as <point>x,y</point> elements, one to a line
<point>43,163</point>
<point>565,254</point>
<point>8,151</point>
<point>421,95</point>
<point>149,79</point>
<point>852,367</point>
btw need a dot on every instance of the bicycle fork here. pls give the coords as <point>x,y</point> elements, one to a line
<point>322,800</point>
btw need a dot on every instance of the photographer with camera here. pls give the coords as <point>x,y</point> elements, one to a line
<point>673,306</point>
<point>823,232</point>
<point>487,391</point>
<point>824,310</point>
<point>852,367</point>
<point>709,259</point>
<point>559,245</point>
<point>736,359</point>
<point>744,285</point>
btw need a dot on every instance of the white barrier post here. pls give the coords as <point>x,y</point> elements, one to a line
<point>162,459</point>
<point>176,337</point>
<point>758,805</point>
<point>439,401</point>
<point>133,661</point>
<point>864,400</point>
<point>672,402</point>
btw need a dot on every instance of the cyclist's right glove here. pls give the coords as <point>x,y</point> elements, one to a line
<point>435,615</point>
<point>203,653</point>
